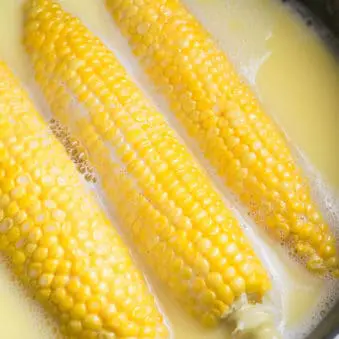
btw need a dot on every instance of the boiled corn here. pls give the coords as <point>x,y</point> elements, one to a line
<point>168,206</point>
<point>221,112</point>
<point>57,239</point>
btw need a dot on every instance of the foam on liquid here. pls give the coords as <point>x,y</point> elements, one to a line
<point>294,75</point>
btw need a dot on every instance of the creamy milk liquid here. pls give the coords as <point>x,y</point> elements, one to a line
<point>297,79</point>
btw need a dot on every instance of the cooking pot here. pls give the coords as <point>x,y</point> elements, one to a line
<point>325,12</point>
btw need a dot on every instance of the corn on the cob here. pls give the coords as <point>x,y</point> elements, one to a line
<point>58,241</point>
<point>166,203</point>
<point>221,112</point>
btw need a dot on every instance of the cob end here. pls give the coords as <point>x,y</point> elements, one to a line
<point>254,322</point>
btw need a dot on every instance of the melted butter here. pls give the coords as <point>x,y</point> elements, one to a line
<point>297,79</point>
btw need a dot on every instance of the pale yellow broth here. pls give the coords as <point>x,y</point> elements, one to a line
<point>297,79</point>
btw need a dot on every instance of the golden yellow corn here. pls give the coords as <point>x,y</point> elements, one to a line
<point>167,205</point>
<point>58,241</point>
<point>221,112</point>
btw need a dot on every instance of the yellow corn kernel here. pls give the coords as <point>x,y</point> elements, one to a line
<point>220,111</point>
<point>43,242</point>
<point>166,203</point>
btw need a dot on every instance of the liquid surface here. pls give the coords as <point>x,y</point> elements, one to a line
<point>297,79</point>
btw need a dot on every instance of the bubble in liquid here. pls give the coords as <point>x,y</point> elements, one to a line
<point>74,149</point>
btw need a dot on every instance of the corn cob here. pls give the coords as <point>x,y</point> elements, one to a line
<point>57,239</point>
<point>166,203</point>
<point>219,110</point>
